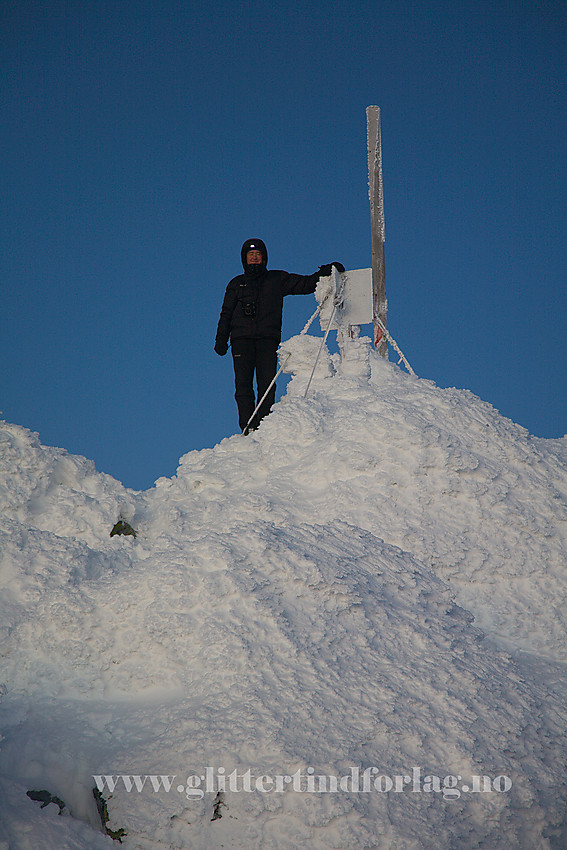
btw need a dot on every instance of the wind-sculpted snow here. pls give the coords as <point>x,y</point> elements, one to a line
<point>439,473</point>
<point>373,579</point>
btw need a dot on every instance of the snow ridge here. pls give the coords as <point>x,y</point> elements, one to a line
<point>373,578</point>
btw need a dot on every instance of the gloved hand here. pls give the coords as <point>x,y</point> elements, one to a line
<point>325,271</point>
<point>221,347</point>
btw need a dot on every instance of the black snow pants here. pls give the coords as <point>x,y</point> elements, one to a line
<point>249,356</point>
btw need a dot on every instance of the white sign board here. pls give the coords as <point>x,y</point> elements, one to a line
<point>356,307</point>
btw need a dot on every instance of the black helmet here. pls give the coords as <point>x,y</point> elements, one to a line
<point>250,245</point>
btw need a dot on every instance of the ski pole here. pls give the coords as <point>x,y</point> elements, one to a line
<point>278,373</point>
<point>323,341</point>
<point>338,298</point>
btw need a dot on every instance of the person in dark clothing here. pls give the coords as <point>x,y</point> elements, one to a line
<point>251,317</point>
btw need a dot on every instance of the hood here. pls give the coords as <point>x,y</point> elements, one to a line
<point>253,243</point>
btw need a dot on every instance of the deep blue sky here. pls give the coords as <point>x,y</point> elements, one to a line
<point>142,142</point>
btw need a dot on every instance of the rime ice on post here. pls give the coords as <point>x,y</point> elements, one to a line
<point>359,297</point>
<point>346,303</point>
<point>377,225</point>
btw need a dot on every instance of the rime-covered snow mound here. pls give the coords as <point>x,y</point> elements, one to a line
<point>371,586</point>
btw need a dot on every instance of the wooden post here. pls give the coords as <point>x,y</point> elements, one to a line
<point>377,226</point>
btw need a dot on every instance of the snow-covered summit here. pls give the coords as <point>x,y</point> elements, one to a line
<point>375,578</point>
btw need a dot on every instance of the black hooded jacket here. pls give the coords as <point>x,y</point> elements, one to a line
<point>253,301</point>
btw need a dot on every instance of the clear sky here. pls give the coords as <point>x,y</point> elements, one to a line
<point>143,142</point>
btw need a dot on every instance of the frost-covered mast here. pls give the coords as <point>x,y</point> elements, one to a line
<point>375,191</point>
<point>359,296</point>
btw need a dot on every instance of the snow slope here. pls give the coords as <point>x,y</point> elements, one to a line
<point>373,579</point>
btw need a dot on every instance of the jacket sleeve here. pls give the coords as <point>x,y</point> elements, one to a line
<point>227,309</point>
<point>299,284</point>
